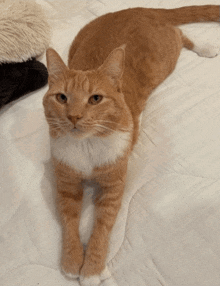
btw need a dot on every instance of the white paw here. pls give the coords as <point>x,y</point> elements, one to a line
<point>105,274</point>
<point>95,280</point>
<point>207,51</point>
<point>90,281</point>
<point>70,275</point>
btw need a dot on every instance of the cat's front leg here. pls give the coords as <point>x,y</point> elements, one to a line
<point>69,201</point>
<point>107,205</point>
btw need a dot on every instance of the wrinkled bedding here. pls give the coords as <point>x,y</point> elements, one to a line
<point>168,229</point>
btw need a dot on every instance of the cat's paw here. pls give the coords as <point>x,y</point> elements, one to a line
<point>95,280</point>
<point>207,50</point>
<point>90,281</point>
<point>71,271</point>
<point>70,268</point>
<point>70,275</point>
<point>105,274</point>
<point>72,261</point>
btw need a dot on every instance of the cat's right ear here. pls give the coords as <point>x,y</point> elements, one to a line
<point>113,66</point>
<point>55,66</point>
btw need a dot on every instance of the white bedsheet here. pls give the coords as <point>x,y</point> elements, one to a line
<point>168,230</point>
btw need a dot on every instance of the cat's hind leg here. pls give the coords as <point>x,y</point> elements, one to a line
<point>204,50</point>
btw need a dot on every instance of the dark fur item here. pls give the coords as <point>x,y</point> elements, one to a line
<point>18,79</point>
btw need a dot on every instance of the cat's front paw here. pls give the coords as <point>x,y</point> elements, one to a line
<point>94,280</point>
<point>70,275</point>
<point>71,271</point>
<point>70,266</point>
<point>90,281</point>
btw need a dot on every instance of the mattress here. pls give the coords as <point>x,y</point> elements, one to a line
<point>168,229</point>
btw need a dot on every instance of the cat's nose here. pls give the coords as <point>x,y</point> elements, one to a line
<point>74,118</point>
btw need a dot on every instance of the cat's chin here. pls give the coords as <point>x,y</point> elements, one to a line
<point>79,134</point>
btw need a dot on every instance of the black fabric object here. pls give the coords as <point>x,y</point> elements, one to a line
<point>18,79</point>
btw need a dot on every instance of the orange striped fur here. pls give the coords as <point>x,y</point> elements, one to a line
<point>93,107</point>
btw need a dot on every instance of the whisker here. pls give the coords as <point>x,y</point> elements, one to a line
<point>57,126</point>
<point>61,124</point>
<point>58,121</point>
<point>103,126</point>
<point>125,139</point>
<point>107,128</point>
<point>96,125</point>
<point>106,121</point>
<point>57,129</point>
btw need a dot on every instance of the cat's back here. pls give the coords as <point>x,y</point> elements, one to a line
<point>98,38</point>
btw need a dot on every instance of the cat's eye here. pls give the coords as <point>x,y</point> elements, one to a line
<point>61,98</point>
<point>95,99</point>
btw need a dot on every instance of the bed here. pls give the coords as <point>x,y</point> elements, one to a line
<point>168,229</point>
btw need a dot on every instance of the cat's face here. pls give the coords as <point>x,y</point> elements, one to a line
<point>86,103</point>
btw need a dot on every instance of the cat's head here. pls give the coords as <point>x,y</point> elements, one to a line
<point>86,103</point>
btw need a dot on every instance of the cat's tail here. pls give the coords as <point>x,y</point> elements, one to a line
<point>192,14</point>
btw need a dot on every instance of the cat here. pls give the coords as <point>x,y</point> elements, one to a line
<point>93,107</point>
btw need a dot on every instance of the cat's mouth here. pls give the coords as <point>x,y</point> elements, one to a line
<point>78,133</point>
<point>76,130</point>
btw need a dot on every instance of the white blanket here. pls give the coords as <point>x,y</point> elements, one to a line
<point>168,230</point>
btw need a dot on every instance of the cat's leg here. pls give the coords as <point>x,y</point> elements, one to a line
<point>107,205</point>
<point>203,50</point>
<point>69,200</point>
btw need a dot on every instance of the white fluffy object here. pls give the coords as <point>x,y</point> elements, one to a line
<point>24,31</point>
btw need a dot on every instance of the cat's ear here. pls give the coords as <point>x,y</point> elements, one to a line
<point>113,66</point>
<point>55,65</point>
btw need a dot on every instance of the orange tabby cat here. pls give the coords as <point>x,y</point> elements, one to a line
<point>93,108</point>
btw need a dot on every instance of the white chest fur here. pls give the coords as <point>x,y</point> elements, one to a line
<point>85,154</point>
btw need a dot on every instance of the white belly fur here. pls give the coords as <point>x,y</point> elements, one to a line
<point>84,155</point>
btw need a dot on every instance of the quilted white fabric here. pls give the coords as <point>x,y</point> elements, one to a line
<point>168,230</point>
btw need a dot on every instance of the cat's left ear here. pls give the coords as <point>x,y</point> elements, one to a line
<point>55,65</point>
<point>113,66</point>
